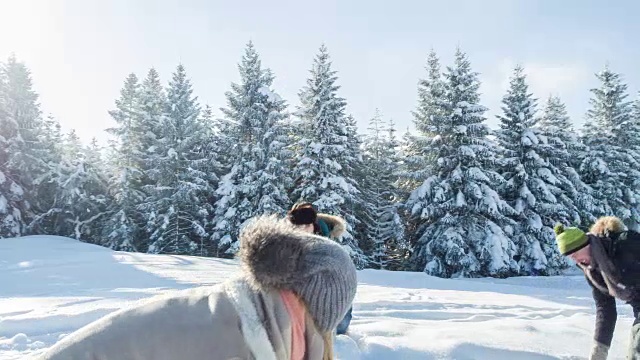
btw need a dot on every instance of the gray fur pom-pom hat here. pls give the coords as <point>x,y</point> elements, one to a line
<point>276,255</point>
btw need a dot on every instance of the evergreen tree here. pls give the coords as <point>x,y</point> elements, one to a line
<point>413,167</point>
<point>532,186</point>
<point>12,202</point>
<point>123,229</point>
<point>52,140</point>
<point>431,110</point>
<point>384,228</point>
<point>631,141</point>
<point>417,158</point>
<point>150,126</point>
<point>215,145</point>
<point>563,150</point>
<point>629,134</point>
<point>354,170</point>
<point>636,109</point>
<point>178,205</point>
<point>462,228</point>
<point>431,104</point>
<point>410,175</point>
<point>81,199</point>
<point>611,163</point>
<point>220,143</point>
<point>26,161</point>
<point>255,183</point>
<point>77,189</point>
<point>322,164</point>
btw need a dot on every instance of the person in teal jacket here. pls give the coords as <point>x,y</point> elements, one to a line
<point>330,226</point>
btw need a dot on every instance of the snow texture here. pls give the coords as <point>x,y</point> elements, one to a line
<point>53,286</point>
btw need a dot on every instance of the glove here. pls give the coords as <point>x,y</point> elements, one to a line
<point>599,351</point>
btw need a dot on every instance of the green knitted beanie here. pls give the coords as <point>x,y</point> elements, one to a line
<point>570,239</point>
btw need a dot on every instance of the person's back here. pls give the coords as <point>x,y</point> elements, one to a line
<point>622,249</point>
<point>626,256</point>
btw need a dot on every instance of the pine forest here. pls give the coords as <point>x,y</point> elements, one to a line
<point>451,197</point>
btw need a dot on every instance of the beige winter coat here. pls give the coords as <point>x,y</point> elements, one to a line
<point>227,321</point>
<point>244,318</point>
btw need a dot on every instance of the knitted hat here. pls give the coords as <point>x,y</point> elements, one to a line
<point>275,255</point>
<point>570,239</point>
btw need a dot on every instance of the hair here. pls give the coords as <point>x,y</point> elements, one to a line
<point>327,336</point>
<point>302,214</point>
<point>327,353</point>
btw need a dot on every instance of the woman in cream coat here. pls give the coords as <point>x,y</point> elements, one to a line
<point>293,291</point>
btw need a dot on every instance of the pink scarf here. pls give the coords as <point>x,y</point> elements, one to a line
<point>296,311</point>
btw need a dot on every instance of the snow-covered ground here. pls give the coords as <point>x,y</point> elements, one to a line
<point>51,286</point>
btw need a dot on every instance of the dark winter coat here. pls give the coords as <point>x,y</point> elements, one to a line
<point>612,245</point>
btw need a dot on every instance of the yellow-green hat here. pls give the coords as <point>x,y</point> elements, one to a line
<point>570,240</point>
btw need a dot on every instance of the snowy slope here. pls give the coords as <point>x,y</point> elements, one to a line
<point>50,286</point>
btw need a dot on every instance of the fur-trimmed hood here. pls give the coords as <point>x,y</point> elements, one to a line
<point>271,251</point>
<point>614,268</point>
<point>337,225</point>
<point>607,226</point>
<point>276,255</point>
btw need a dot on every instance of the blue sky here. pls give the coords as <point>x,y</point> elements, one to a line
<point>80,51</point>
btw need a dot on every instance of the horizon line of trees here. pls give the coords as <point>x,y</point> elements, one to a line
<point>452,198</point>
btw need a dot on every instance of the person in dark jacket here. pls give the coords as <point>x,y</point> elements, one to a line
<point>305,216</point>
<point>609,255</point>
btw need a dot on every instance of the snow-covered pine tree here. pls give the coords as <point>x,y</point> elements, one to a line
<point>353,169</point>
<point>254,185</point>
<point>628,134</point>
<point>220,143</point>
<point>123,229</point>
<point>636,109</point>
<point>462,225</point>
<point>27,161</point>
<point>610,167</point>
<point>636,146</point>
<point>320,170</point>
<point>563,150</point>
<point>383,227</point>
<point>431,100</point>
<point>177,205</point>
<point>417,157</point>
<point>415,154</point>
<point>46,220</point>
<point>150,126</point>
<point>211,145</point>
<point>398,250</point>
<point>81,202</point>
<point>532,186</point>
<point>12,201</point>
<point>411,166</point>
<point>215,146</point>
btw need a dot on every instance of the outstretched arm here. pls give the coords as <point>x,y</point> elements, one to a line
<point>606,316</point>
